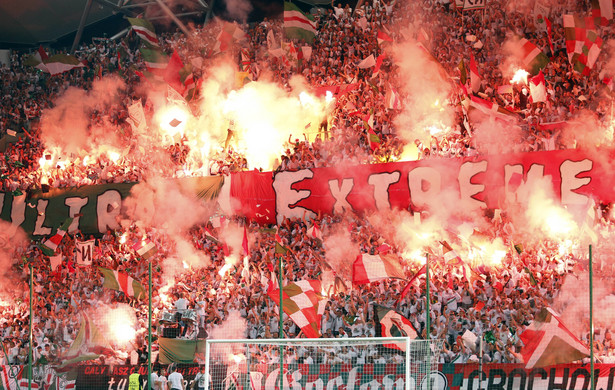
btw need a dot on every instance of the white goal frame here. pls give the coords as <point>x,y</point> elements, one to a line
<point>362,340</point>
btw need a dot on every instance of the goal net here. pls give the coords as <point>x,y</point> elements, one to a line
<point>393,363</point>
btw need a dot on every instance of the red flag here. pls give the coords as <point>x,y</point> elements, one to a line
<point>42,53</point>
<point>383,37</point>
<point>171,73</point>
<point>378,65</point>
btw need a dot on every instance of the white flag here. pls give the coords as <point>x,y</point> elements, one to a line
<point>55,261</point>
<point>368,62</point>
<point>84,252</point>
<point>136,117</point>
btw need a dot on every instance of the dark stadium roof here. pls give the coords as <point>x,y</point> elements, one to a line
<point>29,22</point>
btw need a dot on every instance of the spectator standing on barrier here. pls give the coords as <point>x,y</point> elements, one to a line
<point>175,380</point>
<point>199,379</point>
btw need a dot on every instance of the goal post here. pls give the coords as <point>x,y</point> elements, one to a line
<point>390,362</point>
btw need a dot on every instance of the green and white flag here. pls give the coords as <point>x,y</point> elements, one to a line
<point>120,281</point>
<point>155,60</point>
<point>145,30</point>
<point>55,64</point>
<point>298,25</point>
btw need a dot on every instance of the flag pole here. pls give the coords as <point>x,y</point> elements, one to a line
<point>428,321</point>
<point>30,333</point>
<point>281,325</point>
<point>427,315</point>
<point>591,320</point>
<point>149,329</point>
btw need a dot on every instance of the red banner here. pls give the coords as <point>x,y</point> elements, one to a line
<point>468,183</point>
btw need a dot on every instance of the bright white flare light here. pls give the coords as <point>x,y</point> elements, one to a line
<point>520,76</point>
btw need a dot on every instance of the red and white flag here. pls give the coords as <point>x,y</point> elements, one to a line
<point>538,89</point>
<point>547,342</point>
<point>303,302</point>
<point>383,37</point>
<point>314,232</point>
<point>373,268</point>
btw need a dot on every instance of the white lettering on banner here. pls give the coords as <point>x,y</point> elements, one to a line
<point>106,216</point>
<point>570,182</point>
<point>75,204</point>
<point>382,182</point>
<point>425,184</point>
<point>18,210</point>
<point>285,195</point>
<point>41,207</point>
<point>509,171</point>
<point>335,383</point>
<point>389,383</point>
<point>466,188</point>
<point>340,193</point>
<point>318,384</point>
<point>521,193</point>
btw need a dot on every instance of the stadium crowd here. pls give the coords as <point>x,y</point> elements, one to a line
<point>511,293</point>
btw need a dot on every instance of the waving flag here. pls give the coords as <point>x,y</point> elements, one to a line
<point>492,109</point>
<point>136,117</point>
<point>55,64</point>
<point>229,34</point>
<point>314,231</point>
<point>582,43</point>
<point>145,249</point>
<point>450,256</point>
<point>547,342</point>
<point>145,30</point>
<point>392,324</point>
<point>602,11</point>
<point>532,57</point>
<point>51,244</point>
<point>303,302</point>
<point>383,37</point>
<point>368,62</point>
<point>120,281</point>
<point>373,268</point>
<point>393,102</point>
<point>89,344</point>
<point>298,25</point>
<point>10,375</point>
<point>538,89</point>
<point>155,60</point>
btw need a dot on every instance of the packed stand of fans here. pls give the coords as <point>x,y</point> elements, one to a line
<point>511,300</point>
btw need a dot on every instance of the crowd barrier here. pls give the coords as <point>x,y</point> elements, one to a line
<point>345,376</point>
